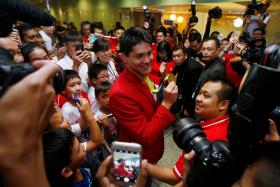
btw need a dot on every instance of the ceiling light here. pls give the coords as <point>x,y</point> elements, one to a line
<point>238,22</point>
<point>172,17</point>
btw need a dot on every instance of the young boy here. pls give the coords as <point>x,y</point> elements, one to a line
<point>97,73</point>
<point>70,112</point>
<point>104,115</point>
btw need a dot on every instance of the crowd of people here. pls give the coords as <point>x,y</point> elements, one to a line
<point>125,85</point>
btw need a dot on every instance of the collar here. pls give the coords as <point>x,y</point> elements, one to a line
<point>213,122</point>
<point>131,77</point>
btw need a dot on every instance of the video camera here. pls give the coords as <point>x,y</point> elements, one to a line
<point>149,18</point>
<point>194,18</point>
<point>215,12</point>
<point>222,163</point>
<point>252,7</point>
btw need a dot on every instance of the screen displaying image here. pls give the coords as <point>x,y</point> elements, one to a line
<point>126,165</point>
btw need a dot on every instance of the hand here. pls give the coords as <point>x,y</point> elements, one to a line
<point>188,158</point>
<point>84,107</point>
<point>273,132</point>
<point>103,120</point>
<point>88,46</point>
<point>104,174</point>
<point>8,43</point>
<point>170,95</point>
<point>78,58</point>
<point>15,36</point>
<point>146,25</point>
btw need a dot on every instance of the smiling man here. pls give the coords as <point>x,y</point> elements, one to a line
<point>133,98</point>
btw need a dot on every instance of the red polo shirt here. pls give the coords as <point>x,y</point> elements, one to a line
<point>215,129</point>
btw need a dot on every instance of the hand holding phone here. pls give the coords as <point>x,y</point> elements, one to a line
<point>127,158</point>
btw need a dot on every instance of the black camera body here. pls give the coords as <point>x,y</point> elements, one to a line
<point>149,18</point>
<point>215,12</point>
<point>11,73</point>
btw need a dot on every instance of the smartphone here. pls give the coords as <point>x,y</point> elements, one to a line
<point>127,158</point>
<point>109,116</point>
<point>92,38</point>
<point>75,98</point>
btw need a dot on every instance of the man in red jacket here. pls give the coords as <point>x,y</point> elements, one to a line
<point>133,99</point>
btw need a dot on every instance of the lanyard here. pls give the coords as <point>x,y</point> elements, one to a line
<point>151,86</point>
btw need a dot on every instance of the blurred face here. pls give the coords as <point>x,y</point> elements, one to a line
<point>104,56</point>
<point>224,43</point>
<point>31,36</point>
<point>101,77</point>
<point>168,37</point>
<point>207,102</point>
<point>118,33</point>
<point>49,30</point>
<point>162,55</point>
<point>71,47</point>
<point>73,86</point>
<point>86,29</point>
<point>78,155</point>
<point>98,32</point>
<point>139,60</point>
<point>209,51</point>
<point>257,35</point>
<point>103,99</point>
<point>18,58</point>
<point>196,46</point>
<point>38,54</point>
<point>160,37</point>
<point>178,57</point>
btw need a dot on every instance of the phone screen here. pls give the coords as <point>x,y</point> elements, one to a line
<point>126,165</point>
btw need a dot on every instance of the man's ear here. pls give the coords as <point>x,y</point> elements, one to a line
<point>67,172</point>
<point>223,105</point>
<point>124,57</point>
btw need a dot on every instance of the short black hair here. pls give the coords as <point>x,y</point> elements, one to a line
<point>100,45</point>
<point>260,29</point>
<point>96,25</point>
<point>27,48</point>
<point>102,87</point>
<point>228,91</point>
<point>72,36</point>
<point>162,29</point>
<point>178,47</point>
<point>132,37</point>
<point>70,74</point>
<point>217,41</point>
<point>195,37</point>
<point>95,69</point>
<point>118,27</point>
<point>84,23</point>
<point>24,27</point>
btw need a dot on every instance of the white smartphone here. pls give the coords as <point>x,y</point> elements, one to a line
<point>127,161</point>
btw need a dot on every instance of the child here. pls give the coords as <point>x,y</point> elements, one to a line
<point>69,109</point>
<point>104,115</point>
<point>97,73</point>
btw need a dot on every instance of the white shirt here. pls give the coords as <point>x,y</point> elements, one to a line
<point>92,100</point>
<point>66,63</point>
<point>47,40</point>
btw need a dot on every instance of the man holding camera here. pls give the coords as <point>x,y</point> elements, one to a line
<point>260,20</point>
<point>212,104</point>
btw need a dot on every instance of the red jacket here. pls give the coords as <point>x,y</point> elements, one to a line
<point>139,118</point>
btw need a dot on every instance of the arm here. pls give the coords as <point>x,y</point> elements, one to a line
<point>95,133</point>
<point>22,162</point>
<point>133,121</point>
<point>207,29</point>
<point>162,173</point>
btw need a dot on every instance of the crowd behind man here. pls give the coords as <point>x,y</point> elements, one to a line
<point>129,86</point>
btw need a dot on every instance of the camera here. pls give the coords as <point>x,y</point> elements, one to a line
<point>252,7</point>
<point>212,160</point>
<point>149,18</point>
<point>194,18</point>
<point>215,12</point>
<point>11,73</point>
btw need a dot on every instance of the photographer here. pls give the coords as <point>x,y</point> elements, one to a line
<point>256,16</point>
<point>212,105</point>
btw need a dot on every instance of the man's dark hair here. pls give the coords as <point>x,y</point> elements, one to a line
<point>96,25</point>
<point>132,37</point>
<point>118,28</point>
<point>213,33</point>
<point>70,74</point>
<point>243,39</point>
<point>217,41</point>
<point>84,23</point>
<point>165,47</point>
<point>225,39</point>
<point>72,36</point>
<point>95,69</point>
<point>100,45</point>
<point>227,92</point>
<point>57,148</point>
<point>102,87</point>
<point>24,27</point>
<point>178,47</point>
<point>170,31</point>
<point>162,29</point>
<point>195,37</point>
<point>28,48</point>
<point>260,29</point>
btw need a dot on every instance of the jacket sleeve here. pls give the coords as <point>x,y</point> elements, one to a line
<point>135,124</point>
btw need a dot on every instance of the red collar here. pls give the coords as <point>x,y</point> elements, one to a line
<point>217,121</point>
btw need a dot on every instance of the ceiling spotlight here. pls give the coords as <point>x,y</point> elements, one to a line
<point>238,22</point>
<point>172,17</point>
<point>180,19</point>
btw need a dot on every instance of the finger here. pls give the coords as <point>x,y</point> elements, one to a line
<point>188,158</point>
<point>273,132</point>
<point>40,63</point>
<point>142,178</point>
<point>104,167</point>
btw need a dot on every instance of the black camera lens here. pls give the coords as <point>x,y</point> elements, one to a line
<point>11,73</point>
